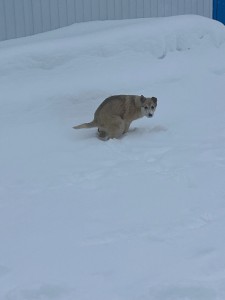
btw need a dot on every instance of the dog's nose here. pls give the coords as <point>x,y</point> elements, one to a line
<point>150,115</point>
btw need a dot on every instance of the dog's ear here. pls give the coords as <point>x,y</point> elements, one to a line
<point>154,99</point>
<point>142,99</point>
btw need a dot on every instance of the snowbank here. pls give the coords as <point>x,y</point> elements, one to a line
<point>137,218</point>
<point>110,38</point>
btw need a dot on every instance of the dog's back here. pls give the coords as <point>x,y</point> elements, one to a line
<point>119,105</point>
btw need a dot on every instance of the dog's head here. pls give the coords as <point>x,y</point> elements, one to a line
<point>148,106</point>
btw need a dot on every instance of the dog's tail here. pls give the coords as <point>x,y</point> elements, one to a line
<point>86,125</point>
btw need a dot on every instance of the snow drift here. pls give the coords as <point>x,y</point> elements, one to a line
<point>137,218</point>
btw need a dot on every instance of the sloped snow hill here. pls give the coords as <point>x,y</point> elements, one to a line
<point>139,218</point>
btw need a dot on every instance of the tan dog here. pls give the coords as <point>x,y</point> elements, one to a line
<point>115,114</point>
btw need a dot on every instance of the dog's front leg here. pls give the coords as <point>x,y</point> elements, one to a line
<point>127,126</point>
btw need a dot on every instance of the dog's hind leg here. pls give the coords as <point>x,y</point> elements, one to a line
<point>116,127</point>
<point>127,126</point>
<point>102,135</point>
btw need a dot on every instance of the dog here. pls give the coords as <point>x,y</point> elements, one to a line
<point>115,114</point>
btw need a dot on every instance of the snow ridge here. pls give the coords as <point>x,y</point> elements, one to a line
<point>157,37</point>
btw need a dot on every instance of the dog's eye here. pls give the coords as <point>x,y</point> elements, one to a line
<point>146,107</point>
<point>152,107</point>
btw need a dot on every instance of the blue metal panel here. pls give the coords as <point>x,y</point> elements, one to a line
<point>110,9</point>
<point>63,13</point>
<point>133,9</point>
<point>140,9</point>
<point>26,17</point>
<point>87,10</point>
<point>118,9</point>
<point>3,35</point>
<point>79,10</point>
<point>98,10</point>
<point>54,14</point>
<point>147,8</point>
<point>71,11</point>
<point>46,15</point>
<point>10,22</point>
<point>125,9</point>
<point>19,19</point>
<point>37,16</point>
<point>219,10</point>
<point>154,9</point>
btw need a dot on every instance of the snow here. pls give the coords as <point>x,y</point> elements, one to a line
<point>138,218</point>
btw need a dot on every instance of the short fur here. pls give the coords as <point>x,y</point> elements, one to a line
<point>115,114</point>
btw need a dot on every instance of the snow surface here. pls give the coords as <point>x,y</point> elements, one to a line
<point>139,218</point>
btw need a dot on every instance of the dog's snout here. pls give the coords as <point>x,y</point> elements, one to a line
<point>150,115</point>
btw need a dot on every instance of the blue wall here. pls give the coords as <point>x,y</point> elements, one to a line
<point>219,10</point>
<point>26,17</point>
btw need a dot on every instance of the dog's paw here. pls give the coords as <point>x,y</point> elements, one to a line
<point>102,135</point>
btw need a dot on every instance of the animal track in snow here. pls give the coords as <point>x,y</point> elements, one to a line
<point>219,71</point>
<point>203,220</point>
